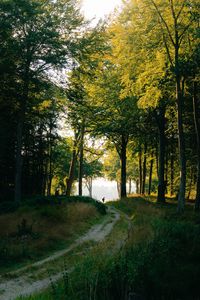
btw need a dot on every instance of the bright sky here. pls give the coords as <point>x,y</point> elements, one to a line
<point>99,8</point>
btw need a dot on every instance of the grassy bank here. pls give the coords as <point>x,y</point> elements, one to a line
<point>42,225</point>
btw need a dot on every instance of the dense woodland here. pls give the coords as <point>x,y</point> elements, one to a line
<point>130,83</point>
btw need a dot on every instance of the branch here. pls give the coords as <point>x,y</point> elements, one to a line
<point>93,152</point>
<point>164,22</point>
<point>167,49</point>
<point>180,11</point>
<point>183,32</point>
<point>173,11</point>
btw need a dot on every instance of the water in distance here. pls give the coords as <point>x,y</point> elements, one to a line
<point>101,187</point>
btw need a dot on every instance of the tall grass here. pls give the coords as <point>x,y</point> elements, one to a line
<point>161,259</point>
<point>41,226</point>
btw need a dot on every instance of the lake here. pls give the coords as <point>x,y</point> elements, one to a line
<point>102,187</point>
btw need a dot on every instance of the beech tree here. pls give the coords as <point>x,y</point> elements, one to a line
<point>149,34</point>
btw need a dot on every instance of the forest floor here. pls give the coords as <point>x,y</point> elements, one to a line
<point>135,251</point>
<point>43,273</point>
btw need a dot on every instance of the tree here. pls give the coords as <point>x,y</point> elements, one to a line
<point>42,34</point>
<point>111,116</point>
<point>175,20</point>
<point>162,32</point>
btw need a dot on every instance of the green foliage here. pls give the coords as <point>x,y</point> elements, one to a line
<point>39,39</point>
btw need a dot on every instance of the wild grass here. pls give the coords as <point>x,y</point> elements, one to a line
<point>35,230</point>
<point>161,259</point>
<point>89,266</point>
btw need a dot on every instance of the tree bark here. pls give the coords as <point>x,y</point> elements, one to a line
<point>144,169</point>
<point>171,172</point>
<point>166,170</point>
<point>161,166</point>
<point>89,185</point>
<point>150,175</point>
<point>70,179</point>
<point>137,186</point>
<point>118,188</point>
<point>196,103</point>
<point>140,171</point>
<point>80,185</point>
<point>181,145</point>
<point>130,185</point>
<point>190,184</point>
<point>50,171</point>
<point>124,142</point>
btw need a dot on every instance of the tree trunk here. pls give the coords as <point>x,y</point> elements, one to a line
<point>18,164</point>
<point>50,172</point>
<point>123,165</point>
<point>157,161</point>
<point>118,188</point>
<point>20,126</point>
<point>89,185</point>
<point>70,179</point>
<point>172,173</point>
<point>197,129</point>
<point>150,176</point>
<point>80,185</point>
<point>140,170</point>
<point>190,184</point>
<point>161,166</point>
<point>166,171</point>
<point>181,145</point>
<point>130,186</point>
<point>137,186</point>
<point>144,169</point>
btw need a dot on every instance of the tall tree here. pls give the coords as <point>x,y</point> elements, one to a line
<point>44,36</point>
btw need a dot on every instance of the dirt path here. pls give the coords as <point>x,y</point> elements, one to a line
<point>25,284</point>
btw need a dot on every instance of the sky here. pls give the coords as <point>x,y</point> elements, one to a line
<point>98,8</point>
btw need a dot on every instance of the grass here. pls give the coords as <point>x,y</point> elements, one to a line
<point>36,229</point>
<point>161,258</point>
<point>89,261</point>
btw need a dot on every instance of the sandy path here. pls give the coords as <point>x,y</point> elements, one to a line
<point>25,285</point>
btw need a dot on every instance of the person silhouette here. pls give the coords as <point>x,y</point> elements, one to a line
<point>103,199</point>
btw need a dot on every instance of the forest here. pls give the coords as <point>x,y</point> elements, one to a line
<point>132,81</point>
<point>119,99</point>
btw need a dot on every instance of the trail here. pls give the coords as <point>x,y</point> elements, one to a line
<point>24,283</point>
